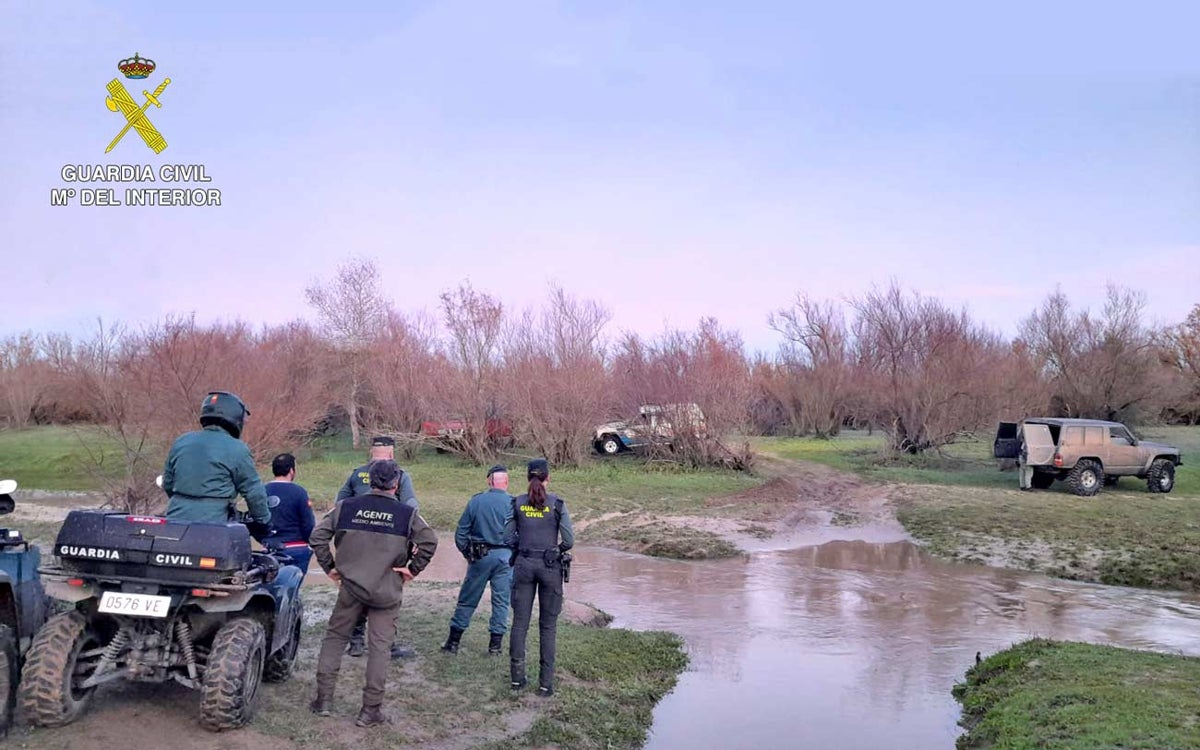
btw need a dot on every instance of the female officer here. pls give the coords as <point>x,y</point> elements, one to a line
<point>540,518</point>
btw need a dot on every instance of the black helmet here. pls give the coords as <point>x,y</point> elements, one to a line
<point>225,410</point>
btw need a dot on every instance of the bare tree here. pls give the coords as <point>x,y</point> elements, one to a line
<point>1104,366</point>
<point>1180,353</point>
<point>472,394</point>
<point>555,376</point>
<point>352,308</point>
<point>930,371</point>
<point>815,360</point>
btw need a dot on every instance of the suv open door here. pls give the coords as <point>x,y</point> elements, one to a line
<point>1039,444</point>
<point>1008,441</point>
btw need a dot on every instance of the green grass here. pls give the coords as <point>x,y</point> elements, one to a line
<point>55,458</point>
<point>967,464</point>
<point>1073,696</point>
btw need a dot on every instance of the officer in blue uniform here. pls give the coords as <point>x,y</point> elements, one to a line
<point>207,469</point>
<point>480,539</point>
<point>383,448</point>
<point>541,534</point>
<point>293,518</point>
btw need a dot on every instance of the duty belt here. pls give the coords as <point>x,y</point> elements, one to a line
<point>532,552</point>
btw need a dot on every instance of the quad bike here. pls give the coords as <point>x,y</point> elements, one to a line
<point>158,600</point>
<point>23,604</point>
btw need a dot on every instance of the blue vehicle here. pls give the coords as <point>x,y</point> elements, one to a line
<point>155,600</point>
<point>23,603</point>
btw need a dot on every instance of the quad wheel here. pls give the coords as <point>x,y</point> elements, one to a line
<point>1161,477</point>
<point>282,662</point>
<point>229,694</point>
<point>63,655</point>
<point>1086,478</point>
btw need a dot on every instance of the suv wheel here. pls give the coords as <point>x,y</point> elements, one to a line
<point>1086,478</point>
<point>608,445</point>
<point>1161,477</point>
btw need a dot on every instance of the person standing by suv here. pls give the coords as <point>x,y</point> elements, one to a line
<point>293,518</point>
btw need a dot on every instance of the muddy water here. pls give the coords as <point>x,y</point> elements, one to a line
<point>850,644</point>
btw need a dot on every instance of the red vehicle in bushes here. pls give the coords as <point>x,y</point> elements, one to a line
<point>452,433</point>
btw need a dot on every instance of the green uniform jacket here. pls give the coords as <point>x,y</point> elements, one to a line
<point>372,534</point>
<point>205,472</point>
<point>359,483</point>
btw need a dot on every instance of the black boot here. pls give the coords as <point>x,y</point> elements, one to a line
<point>451,644</point>
<point>516,668</point>
<point>402,652</point>
<point>494,643</point>
<point>357,647</point>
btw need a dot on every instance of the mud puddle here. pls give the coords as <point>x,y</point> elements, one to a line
<point>851,644</point>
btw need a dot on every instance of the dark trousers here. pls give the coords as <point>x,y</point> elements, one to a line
<point>381,626</point>
<point>532,576</point>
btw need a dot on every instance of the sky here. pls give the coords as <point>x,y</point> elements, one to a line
<point>672,160</point>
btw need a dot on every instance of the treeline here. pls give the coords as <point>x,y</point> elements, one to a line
<point>909,366</point>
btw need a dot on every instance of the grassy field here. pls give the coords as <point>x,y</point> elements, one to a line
<point>56,458</point>
<point>1074,696</point>
<point>962,506</point>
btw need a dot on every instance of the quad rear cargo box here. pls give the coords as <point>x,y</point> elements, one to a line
<point>117,544</point>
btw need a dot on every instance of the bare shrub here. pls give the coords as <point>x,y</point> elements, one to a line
<point>555,376</point>
<point>24,379</point>
<point>815,371</point>
<point>1103,367</point>
<point>931,374</point>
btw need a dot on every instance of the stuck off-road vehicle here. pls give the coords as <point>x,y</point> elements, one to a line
<point>1086,454</point>
<point>158,600</point>
<point>23,604</point>
<point>657,425</point>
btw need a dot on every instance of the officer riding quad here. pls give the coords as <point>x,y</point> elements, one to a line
<point>22,604</point>
<point>157,600</point>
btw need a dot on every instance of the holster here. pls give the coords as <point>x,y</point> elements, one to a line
<point>566,567</point>
<point>477,551</point>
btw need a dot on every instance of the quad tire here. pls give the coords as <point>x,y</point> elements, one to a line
<point>281,664</point>
<point>1161,477</point>
<point>47,696</point>
<point>1086,478</point>
<point>229,694</point>
<point>1041,480</point>
<point>10,676</point>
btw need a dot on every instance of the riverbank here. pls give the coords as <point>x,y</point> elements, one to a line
<point>1048,695</point>
<point>961,506</point>
<point>609,681</point>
